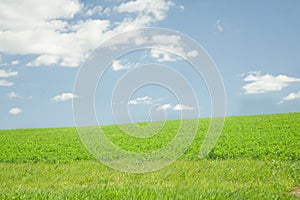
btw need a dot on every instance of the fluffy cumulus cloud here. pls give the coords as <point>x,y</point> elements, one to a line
<point>15,111</point>
<point>56,33</point>
<point>64,97</point>
<point>177,107</point>
<point>292,96</point>
<point>141,100</point>
<point>258,83</point>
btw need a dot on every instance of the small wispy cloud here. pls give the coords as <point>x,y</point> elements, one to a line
<point>15,111</point>
<point>164,107</point>
<point>14,62</point>
<point>97,10</point>
<point>118,65</point>
<point>5,83</point>
<point>141,100</point>
<point>11,63</point>
<point>162,56</point>
<point>259,84</point>
<point>14,95</point>
<point>219,26</point>
<point>292,96</point>
<point>177,107</point>
<point>7,74</point>
<point>181,8</point>
<point>63,97</point>
<point>182,107</point>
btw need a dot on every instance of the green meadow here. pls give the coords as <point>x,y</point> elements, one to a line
<point>256,157</point>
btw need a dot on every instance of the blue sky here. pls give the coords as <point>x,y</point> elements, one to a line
<point>255,45</point>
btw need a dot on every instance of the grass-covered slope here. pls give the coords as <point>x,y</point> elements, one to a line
<point>256,157</point>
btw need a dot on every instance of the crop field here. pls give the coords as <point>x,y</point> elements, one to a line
<point>256,157</point>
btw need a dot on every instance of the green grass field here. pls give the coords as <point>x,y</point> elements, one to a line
<point>256,157</point>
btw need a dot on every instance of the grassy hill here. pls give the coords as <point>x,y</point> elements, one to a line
<point>256,157</point>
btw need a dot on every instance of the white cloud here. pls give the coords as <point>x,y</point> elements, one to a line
<point>141,100</point>
<point>98,10</point>
<point>166,55</point>
<point>162,56</point>
<point>7,74</point>
<point>50,30</point>
<point>292,96</point>
<point>154,9</point>
<point>6,83</point>
<point>44,60</point>
<point>181,8</point>
<point>118,65</point>
<point>182,107</point>
<point>166,46</point>
<point>95,10</point>
<point>107,11</point>
<point>21,14</point>
<point>164,107</point>
<point>219,26</point>
<point>173,43</point>
<point>177,107</point>
<point>166,39</point>
<point>13,95</point>
<point>15,111</point>
<point>192,54</point>
<point>12,63</point>
<point>15,62</point>
<point>64,97</point>
<point>259,84</point>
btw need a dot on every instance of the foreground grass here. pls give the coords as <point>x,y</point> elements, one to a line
<point>209,179</point>
<point>256,157</point>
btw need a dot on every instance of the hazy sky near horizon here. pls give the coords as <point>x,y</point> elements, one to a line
<point>254,44</point>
